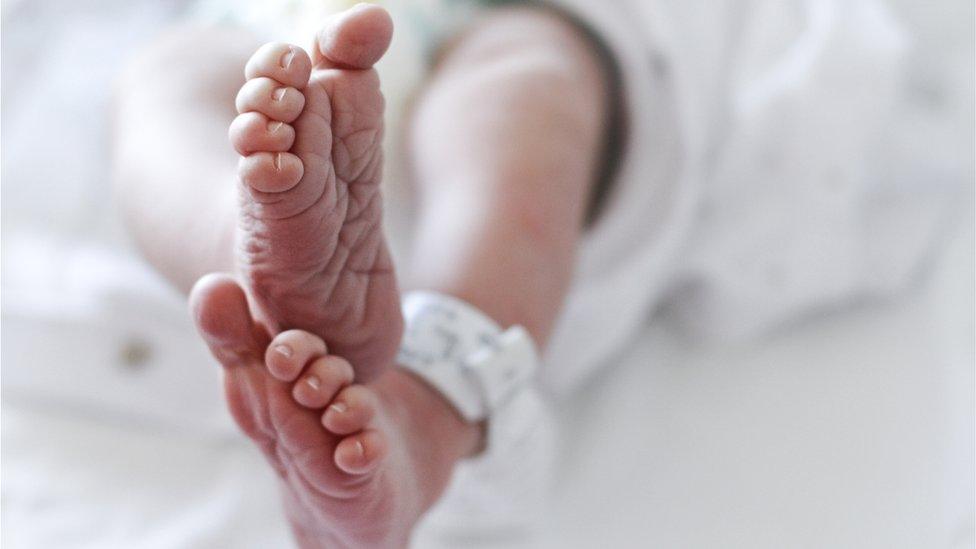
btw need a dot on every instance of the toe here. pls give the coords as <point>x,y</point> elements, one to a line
<point>351,410</point>
<point>253,131</point>
<point>271,172</point>
<point>361,453</point>
<point>284,63</point>
<point>355,38</point>
<point>221,314</point>
<point>270,98</point>
<point>321,381</point>
<point>290,351</point>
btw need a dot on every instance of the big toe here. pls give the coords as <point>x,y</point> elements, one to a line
<point>223,318</point>
<point>355,38</point>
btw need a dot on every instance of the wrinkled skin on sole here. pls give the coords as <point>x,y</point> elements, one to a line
<point>310,250</point>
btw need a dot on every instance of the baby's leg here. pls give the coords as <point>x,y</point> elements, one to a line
<point>505,141</point>
<point>175,173</point>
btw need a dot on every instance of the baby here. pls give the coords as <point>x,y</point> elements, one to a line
<point>752,204</point>
<point>309,330</point>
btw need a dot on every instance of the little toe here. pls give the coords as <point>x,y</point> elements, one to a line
<point>252,131</point>
<point>321,381</point>
<point>290,351</point>
<point>361,453</point>
<point>270,172</point>
<point>351,410</point>
<point>270,98</point>
<point>284,63</point>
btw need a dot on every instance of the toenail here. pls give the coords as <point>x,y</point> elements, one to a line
<point>361,448</point>
<point>277,162</point>
<point>279,94</point>
<point>286,58</point>
<point>313,382</point>
<point>283,350</point>
<point>274,125</point>
<point>339,407</point>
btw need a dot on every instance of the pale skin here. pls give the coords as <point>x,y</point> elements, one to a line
<point>308,325</point>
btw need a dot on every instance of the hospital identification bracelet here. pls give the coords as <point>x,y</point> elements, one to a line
<point>463,354</point>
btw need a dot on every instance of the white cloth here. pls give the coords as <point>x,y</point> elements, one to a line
<point>775,167</point>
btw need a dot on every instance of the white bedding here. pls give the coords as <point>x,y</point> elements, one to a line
<point>851,430</point>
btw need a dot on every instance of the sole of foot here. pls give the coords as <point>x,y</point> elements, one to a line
<point>359,464</point>
<point>311,250</point>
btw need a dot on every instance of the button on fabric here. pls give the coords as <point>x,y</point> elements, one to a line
<point>135,353</point>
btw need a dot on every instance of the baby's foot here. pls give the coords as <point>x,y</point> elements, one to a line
<point>311,249</point>
<point>359,464</point>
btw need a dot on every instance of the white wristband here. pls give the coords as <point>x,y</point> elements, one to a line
<point>464,354</point>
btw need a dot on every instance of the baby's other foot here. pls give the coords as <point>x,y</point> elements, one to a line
<point>311,250</point>
<point>359,464</point>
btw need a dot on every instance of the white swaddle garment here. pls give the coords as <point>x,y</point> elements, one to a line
<point>780,160</point>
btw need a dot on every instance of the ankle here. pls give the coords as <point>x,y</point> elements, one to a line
<point>426,411</point>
